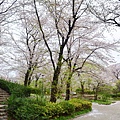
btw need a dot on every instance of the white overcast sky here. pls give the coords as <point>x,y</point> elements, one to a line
<point>113,34</point>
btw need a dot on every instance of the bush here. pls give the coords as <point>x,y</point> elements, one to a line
<point>115,95</point>
<point>86,105</point>
<point>17,89</point>
<point>77,104</point>
<point>14,88</point>
<point>67,108</point>
<point>23,107</point>
<point>53,110</point>
<point>31,112</point>
<point>89,92</point>
<point>4,85</point>
<point>81,104</point>
<point>104,98</point>
<point>79,91</point>
<point>59,109</point>
<point>30,109</point>
<point>26,109</point>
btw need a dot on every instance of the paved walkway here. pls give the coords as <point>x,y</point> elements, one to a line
<point>102,112</point>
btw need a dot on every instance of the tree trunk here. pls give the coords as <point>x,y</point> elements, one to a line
<point>27,77</point>
<point>67,91</point>
<point>68,87</point>
<point>95,94</point>
<point>56,76</point>
<point>54,84</point>
<point>36,83</point>
<point>82,88</point>
<point>30,77</point>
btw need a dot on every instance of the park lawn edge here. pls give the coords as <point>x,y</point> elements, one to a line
<point>74,115</point>
<point>109,102</point>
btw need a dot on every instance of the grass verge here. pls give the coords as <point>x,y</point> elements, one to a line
<point>108,102</point>
<point>74,115</point>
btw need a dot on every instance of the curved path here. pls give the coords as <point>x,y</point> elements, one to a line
<point>102,112</point>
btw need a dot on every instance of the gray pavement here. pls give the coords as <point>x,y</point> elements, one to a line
<point>102,112</point>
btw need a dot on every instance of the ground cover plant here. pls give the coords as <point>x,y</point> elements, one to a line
<point>23,106</point>
<point>32,109</point>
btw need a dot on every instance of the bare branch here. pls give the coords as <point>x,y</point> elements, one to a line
<point>43,35</point>
<point>8,7</point>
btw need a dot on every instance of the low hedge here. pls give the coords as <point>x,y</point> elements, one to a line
<point>30,109</point>
<point>17,89</point>
<point>81,104</point>
<point>115,95</point>
<point>23,107</point>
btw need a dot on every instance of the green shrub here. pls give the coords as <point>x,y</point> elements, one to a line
<point>23,107</point>
<point>59,109</point>
<point>79,91</point>
<point>89,92</point>
<point>35,90</point>
<point>26,109</point>
<point>4,85</point>
<point>86,105</point>
<point>53,110</point>
<point>17,89</point>
<point>77,105</point>
<point>14,88</point>
<point>67,108</point>
<point>115,95</point>
<point>104,98</point>
<point>81,104</point>
<point>31,112</point>
<point>32,109</point>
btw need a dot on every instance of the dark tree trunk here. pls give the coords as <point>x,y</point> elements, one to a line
<point>30,79</point>
<point>54,84</point>
<point>27,77</point>
<point>36,83</point>
<point>95,93</point>
<point>82,88</point>
<point>67,91</point>
<point>56,76</point>
<point>37,76</point>
<point>68,85</point>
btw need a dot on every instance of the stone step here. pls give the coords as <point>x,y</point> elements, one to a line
<point>3,117</point>
<point>4,93</point>
<point>2,110</point>
<point>3,97</point>
<point>3,113</point>
<point>3,106</point>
